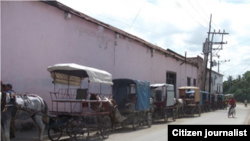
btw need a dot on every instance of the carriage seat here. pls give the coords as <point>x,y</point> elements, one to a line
<point>131,97</point>
<point>82,94</point>
<point>128,105</point>
<point>158,96</point>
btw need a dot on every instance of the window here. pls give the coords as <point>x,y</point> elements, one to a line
<point>189,81</point>
<point>194,82</point>
<point>171,79</point>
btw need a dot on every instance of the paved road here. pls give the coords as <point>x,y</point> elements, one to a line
<point>158,131</point>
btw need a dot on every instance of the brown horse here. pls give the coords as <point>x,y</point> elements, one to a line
<point>114,114</point>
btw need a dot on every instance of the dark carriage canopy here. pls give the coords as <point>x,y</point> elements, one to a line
<point>204,95</point>
<point>73,74</point>
<point>120,92</point>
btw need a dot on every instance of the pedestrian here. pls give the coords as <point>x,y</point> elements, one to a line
<point>8,89</point>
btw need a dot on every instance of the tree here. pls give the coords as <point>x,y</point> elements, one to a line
<point>240,86</point>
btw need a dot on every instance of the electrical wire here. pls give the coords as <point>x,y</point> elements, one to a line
<point>238,44</point>
<point>197,12</point>
<point>236,65</point>
<point>179,5</point>
<point>206,14</point>
<point>136,16</point>
<point>160,34</point>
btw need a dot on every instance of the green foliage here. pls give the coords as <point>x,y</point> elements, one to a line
<point>240,86</point>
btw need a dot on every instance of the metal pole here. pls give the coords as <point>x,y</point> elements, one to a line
<point>206,58</point>
<point>218,66</point>
<point>211,57</point>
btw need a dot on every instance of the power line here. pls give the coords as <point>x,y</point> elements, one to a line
<point>206,14</point>
<point>197,11</point>
<point>246,67</point>
<point>179,5</point>
<point>236,65</point>
<point>160,34</point>
<point>136,16</point>
<point>239,43</point>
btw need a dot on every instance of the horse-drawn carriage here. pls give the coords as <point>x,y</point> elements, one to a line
<point>77,108</point>
<point>163,100</point>
<point>133,102</point>
<point>220,101</point>
<point>191,100</point>
<point>213,101</point>
<point>204,101</point>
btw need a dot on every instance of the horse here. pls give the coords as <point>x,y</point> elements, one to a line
<point>179,106</point>
<point>95,106</point>
<point>21,108</point>
<point>114,115</point>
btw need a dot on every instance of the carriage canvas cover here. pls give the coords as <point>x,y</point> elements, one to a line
<point>72,74</point>
<point>206,97</point>
<point>120,92</point>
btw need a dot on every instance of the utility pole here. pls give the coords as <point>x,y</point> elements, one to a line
<point>206,51</point>
<point>211,53</point>
<point>221,62</point>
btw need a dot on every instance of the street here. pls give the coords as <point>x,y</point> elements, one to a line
<point>158,131</point>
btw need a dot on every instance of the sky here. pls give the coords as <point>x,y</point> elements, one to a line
<point>182,26</point>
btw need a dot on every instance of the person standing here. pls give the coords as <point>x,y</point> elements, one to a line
<point>245,101</point>
<point>8,89</point>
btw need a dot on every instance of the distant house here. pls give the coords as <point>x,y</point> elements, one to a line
<point>216,83</point>
<point>37,34</point>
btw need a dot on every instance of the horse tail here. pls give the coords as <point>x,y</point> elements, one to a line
<point>46,112</point>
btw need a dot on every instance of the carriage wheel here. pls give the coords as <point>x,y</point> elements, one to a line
<point>71,127</point>
<point>55,134</point>
<point>149,119</point>
<point>105,127</point>
<point>181,112</point>
<point>185,111</point>
<point>192,111</point>
<point>135,123</point>
<point>165,116</point>
<point>173,115</point>
<point>124,124</point>
<point>81,132</point>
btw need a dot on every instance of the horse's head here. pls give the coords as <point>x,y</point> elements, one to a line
<point>95,105</point>
<point>93,96</point>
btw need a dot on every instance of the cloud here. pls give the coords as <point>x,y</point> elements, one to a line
<point>180,25</point>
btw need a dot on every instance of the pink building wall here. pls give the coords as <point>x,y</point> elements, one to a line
<point>36,35</point>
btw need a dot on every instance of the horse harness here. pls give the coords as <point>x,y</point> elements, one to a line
<point>19,107</point>
<point>27,101</point>
<point>3,102</point>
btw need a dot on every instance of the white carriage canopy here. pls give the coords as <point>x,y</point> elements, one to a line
<point>169,92</point>
<point>160,85</point>
<point>73,74</point>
